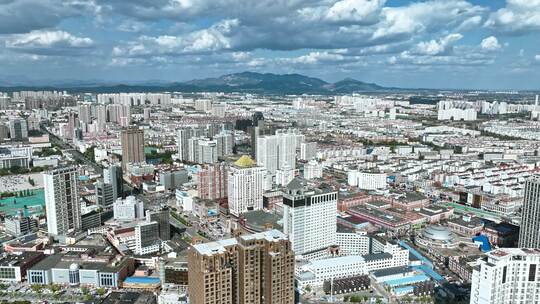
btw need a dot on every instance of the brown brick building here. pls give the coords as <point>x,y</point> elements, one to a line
<point>250,269</point>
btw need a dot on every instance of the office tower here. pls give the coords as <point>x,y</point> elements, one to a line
<point>529,231</point>
<point>128,209</point>
<point>258,128</point>
<point>147,238</point>
<point>101,118</point>
<point>62,200</point>
<point>308,150</point>
<point>104,194</point>
<point>507,276</point>
<point>132,146</point>
<point>278,151</point>
<point>161,217</point>
<point>254,268</point>
<point>18,129</point>
<point>85,113</point>
<point>309,216</point>
<point>212,181</point>
<point>113,176</point>
<point>245,186</point>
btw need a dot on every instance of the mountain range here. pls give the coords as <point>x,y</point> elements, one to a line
<point>248,82</point>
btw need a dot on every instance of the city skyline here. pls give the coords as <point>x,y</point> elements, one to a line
<point>410,44</point>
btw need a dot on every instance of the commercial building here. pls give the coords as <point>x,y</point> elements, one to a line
<point>367,180</point>
<point>13,267</point>
<point>507,275</point>
<point>11,156</point>
<point>147,238</point>
<point>245,186</point>
<point>18,129</point>
<point>132,140</point>
<point>104,194</point>
<point>309,216</point>
<point>255,268</point>
<point>160,216</point>
<point>63,209</point>
<point>529,236</point>
<point>86,268</point>
<point>20,225</point>
<point>128,209</point>
<point>113,175</point>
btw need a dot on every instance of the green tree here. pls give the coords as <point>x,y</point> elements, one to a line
<point>37,288</point>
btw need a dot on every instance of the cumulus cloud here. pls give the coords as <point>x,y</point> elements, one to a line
<point>537,57</point>
<point>517,17</point>
<point>438,47</point>
<point>43,42</point>
<point>490,44</point>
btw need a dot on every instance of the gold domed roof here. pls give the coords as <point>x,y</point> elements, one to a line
<point>245,162</point>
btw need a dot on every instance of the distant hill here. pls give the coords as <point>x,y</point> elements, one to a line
<point>249,82</point>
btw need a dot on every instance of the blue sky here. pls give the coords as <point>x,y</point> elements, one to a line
<point>432,44</point>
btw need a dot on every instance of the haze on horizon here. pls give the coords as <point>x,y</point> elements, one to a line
<point>429,44</point>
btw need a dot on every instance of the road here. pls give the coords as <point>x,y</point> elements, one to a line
<point>78,156</point>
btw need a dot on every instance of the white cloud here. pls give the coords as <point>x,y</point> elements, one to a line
<point>490,44</point>
<point>48,42</point>
<point>537,57</point>
<point>518,16</point>
<point>437,47</point>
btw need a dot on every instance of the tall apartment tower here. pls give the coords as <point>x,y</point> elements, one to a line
<point>256,268</point>
<point>507,276</point>
<point>278,151</point>
<point>245,186</point>
<point>309,216</point>
<point>132,146</point>
<point>212,181</point>
<point>62,200</point>
<point>529,231</point>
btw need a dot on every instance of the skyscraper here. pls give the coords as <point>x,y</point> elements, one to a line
<point>104,194</point>
<point>62,200</point>
<point>255,268</point>
<point>309,216</point>
<point>245,186</point>
<point>212,181</point>
<point>529,231</point>
<point>160,216</point>
<point>132,146</point>
<point>18,129</point>
<point>113,176</point>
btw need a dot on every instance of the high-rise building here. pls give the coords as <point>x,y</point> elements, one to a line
<point>18,129</point>
<point>161,217</point>
<point>245,186</point>
<point>225,143</point>
<point>85,113</point>
<point>147,112</point>
<point>207,151</point>
<point>255,268</point>
<point>183,135</point>
<point>278,151</point>
<point>212,181</point>
<point>62,200</point>
<point>20,225</point>
<point>507,276</point>
<point>529,231</point>
<point>308,150</point>
<point>113,175</point>
<point>309,216</point>
<point>147,238</point>
<point>132,146</point>
<point>104,194</point>
<point>101,118</point>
